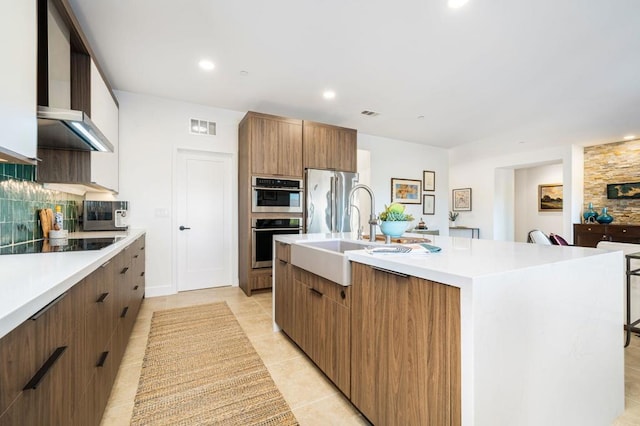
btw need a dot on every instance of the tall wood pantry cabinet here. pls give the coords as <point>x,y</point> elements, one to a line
<point>268,146</point>
<point>281,147</point>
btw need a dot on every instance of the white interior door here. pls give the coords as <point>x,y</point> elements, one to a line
<point>204,203</point>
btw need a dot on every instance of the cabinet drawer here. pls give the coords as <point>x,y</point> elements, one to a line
<point>283,251</point>
<point>624,234</point>
<point>322,286</point>
<point>591,228</point>
<point>261,281</point>
<point>17,352</point>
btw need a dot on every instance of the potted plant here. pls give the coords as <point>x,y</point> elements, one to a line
<point>452,217</point>
<point>393,220</point>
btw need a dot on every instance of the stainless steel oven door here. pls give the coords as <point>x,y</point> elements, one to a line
<point>262,245</point>
<point>276,200</point>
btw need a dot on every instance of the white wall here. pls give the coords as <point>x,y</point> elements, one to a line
<point>407,160</point>
<point>527,216</point>
<point>151,131</point>
<point>471,166</point>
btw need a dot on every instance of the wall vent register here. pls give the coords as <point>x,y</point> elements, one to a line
<point>202,127</point>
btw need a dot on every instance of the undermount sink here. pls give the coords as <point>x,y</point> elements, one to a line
<point>326,258</point>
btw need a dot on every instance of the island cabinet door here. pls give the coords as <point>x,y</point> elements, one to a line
<point>328,327</point>
<point>284,298</point>
<point>405,353</point>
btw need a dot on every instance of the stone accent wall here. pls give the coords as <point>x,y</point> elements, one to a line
<point>612,163</point>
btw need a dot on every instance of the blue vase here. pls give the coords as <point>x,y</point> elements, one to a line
<point>395,228</point>
<point>604,217</point>
<point>590,214</point>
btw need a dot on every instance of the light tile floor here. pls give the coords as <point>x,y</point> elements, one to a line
<point>311,396</point>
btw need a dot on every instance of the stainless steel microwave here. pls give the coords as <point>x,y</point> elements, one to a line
<point>272,195</point>
<point>105,215</point>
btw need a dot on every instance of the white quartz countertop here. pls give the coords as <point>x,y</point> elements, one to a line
<point>28,282</point>
<point>461,259</point>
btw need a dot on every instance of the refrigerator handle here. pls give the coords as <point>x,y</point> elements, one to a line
<point>334,212</point>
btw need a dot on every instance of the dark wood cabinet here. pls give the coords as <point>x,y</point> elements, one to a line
<point>329,147</point>
<point>590,234</point>
<point>405,354</point>
<point>58,367</point>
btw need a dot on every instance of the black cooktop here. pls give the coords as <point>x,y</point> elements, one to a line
<point>59,245</point>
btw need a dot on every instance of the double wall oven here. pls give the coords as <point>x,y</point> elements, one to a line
<point>281,201</point>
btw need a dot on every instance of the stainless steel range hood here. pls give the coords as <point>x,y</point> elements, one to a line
<point>69,130</point>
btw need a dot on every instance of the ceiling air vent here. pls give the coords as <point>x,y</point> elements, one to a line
<point>202,127</point>
<point>370,113</point>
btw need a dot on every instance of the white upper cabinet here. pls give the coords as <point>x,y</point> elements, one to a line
<point>104,113</point>
<point>18,33</point>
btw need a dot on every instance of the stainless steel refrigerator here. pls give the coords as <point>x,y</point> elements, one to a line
<point>327,200</point>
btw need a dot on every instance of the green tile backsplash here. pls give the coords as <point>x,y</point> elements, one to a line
<point>21,200</point>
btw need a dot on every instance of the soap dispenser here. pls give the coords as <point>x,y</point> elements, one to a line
<point>58,223</point>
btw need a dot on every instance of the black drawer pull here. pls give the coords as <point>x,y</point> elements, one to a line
<point>284,262</point>
<point>124,271</point>
<point>135,256</point>
<point>49,306</point>
<point>142,274</point>
<point>102,297</point>
<point>142,248</point>
<point>386,271</point>
<point>316,292</point>
<point>35,380</point>
<point>124,312</point>
<point>135,288</point>
<point>103,359</point>
<point>343,295</point>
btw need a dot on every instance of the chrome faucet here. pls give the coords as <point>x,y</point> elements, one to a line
<point>373,221</point>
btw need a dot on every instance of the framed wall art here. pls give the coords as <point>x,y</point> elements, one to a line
<point>406,191</point>
<point>462,200</point>
<point>428,204</point>
<point>428,180</point>
<point>550,197</point>
<point>623,191</point>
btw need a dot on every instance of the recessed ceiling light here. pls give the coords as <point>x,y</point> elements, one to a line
<point>629,137</point>
<point>206,65</point>
<point>420,117</point>
<point>455,4</point>
<point>329,94</point>
<point>369,113</point>
<point>244,73</point>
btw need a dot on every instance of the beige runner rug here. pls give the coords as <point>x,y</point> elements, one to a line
<point>200,368</point>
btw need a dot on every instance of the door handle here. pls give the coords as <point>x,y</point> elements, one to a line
<point>182,228</point>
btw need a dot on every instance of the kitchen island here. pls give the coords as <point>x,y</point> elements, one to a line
<point>540,327</point>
